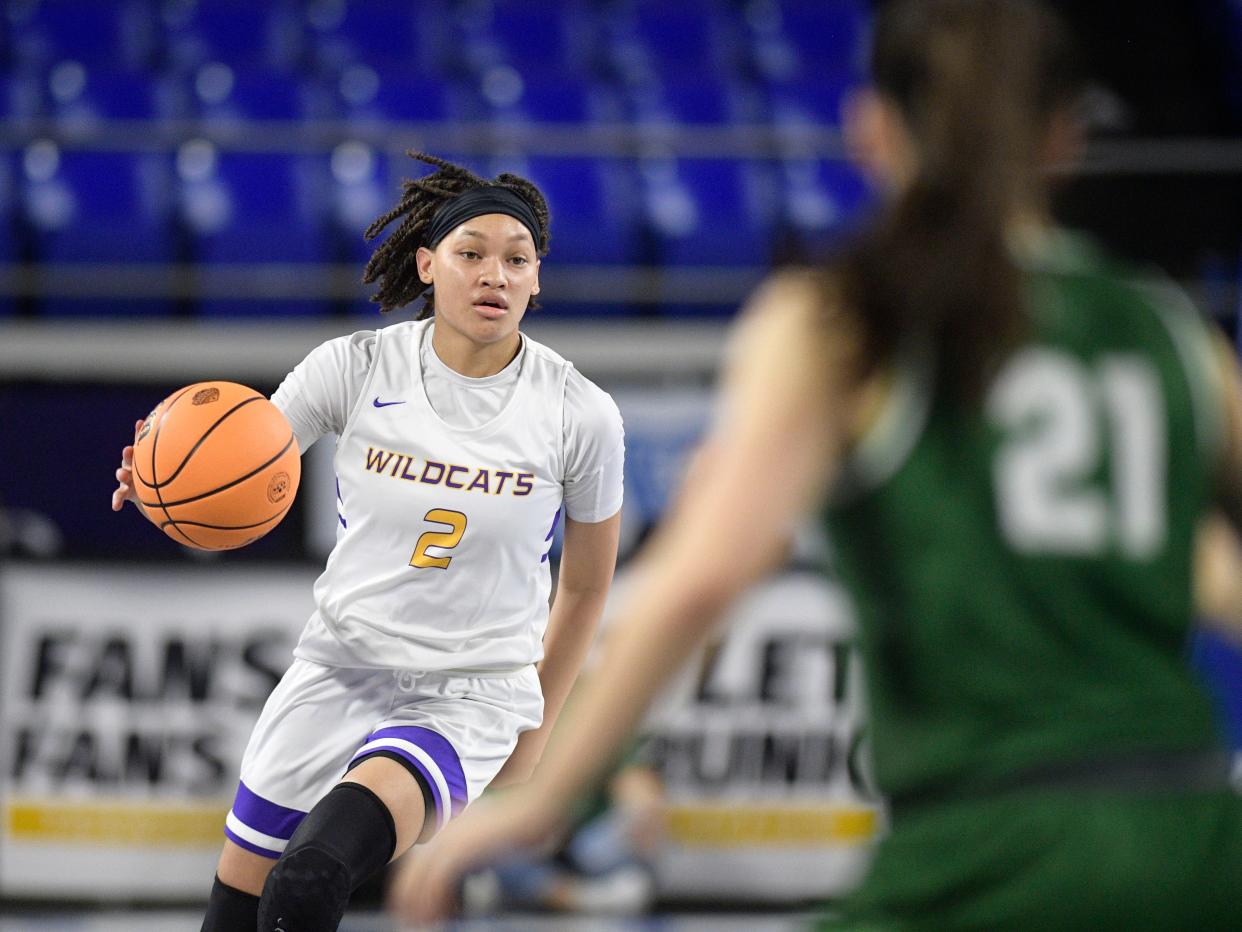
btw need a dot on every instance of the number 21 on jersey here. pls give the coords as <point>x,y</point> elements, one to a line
<point>1058,415</point>
<point>455,521</point>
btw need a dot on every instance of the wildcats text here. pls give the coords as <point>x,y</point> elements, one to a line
<point>449,475</point>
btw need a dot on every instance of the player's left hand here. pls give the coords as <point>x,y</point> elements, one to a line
<point>427,885</point>
<point>124,491</point>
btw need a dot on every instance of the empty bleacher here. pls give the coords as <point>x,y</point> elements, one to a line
<point>180,143</point>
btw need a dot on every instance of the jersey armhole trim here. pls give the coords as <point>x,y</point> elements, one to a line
<point>362,394</point>
<point>566,370</point>
<point>886,446</point>
<point>1199,364</point>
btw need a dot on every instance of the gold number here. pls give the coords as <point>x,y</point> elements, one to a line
<point>445,541</point>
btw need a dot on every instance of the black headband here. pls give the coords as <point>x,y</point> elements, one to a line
<point>487,199</point>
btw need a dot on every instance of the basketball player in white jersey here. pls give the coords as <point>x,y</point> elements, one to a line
<point>432,666</point>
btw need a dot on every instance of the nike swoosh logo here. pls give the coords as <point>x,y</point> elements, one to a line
<point>385,404</point>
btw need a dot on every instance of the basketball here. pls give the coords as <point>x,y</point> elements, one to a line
<point>216,465</point>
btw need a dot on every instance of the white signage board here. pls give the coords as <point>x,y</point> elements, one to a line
<point>127,696</point>
<point>126,701</point>
<point>761,747</point>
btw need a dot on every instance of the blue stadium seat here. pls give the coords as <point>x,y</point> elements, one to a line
<point>706,212</point>
<point>245,209</point>
<point>400,98</point>
<point>691,38</point>
<point>700,100</point>
<point>225,98</point>
<point>21,99</point>
<point>547,97</point>
<point>6,44</point>
<point>592,221</point>
<point>1219,661</point>
<point>80,99</point>
<point>360,193</point>
<point>388,35</point>
<point>116,35</point>
<point>97,207</point>
<point>812,99</point>
<point>562,37</point>
<point>543,95</point>
<point>75,92</point>
<point>821,196</point>
<point>241,33</point>
<point>828,34</point>
<point>9,251</point>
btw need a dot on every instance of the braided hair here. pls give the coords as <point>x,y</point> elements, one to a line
<point>394,262</point>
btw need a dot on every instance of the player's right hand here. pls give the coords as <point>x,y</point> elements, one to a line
<point>511,822</point>
<point>125,477</point>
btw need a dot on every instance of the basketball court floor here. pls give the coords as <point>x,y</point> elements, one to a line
<point>185,921</point>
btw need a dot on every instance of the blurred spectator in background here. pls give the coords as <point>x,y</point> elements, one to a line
<point>604,865</point>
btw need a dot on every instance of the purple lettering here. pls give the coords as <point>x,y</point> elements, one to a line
<point>524,484</point>
<point>427,470</point>
<point>479,481</point>
<point>377,460</point>
<point>407,475</point>
<point>502,476</point>
<point>448,480</point>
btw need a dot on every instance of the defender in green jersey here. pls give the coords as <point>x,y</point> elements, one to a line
<point>1023,576</point>
<point>1013,444</point>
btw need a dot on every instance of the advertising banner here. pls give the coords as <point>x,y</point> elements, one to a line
<point>125,704</point>
<point>760,747</point>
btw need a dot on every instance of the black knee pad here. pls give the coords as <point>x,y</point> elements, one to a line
<point>307,891</point>
<point>345,839</point>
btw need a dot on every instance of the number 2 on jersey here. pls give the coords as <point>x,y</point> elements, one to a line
<point>1060,415</point>
<point>443,540</point>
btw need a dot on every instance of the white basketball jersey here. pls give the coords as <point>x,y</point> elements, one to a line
<point>441,554</point>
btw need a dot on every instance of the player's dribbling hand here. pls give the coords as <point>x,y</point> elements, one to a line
<point>427,886</point>
<point>125,477</point>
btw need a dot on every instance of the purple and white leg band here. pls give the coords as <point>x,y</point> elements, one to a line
<point>432,756</point>
<point>259,825</point>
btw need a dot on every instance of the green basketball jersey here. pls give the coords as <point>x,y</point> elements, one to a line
<point>1022,569</point>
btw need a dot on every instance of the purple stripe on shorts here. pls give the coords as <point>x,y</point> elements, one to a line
<point>249,846</point>
<point>265,816</point>
<point>439,750</point>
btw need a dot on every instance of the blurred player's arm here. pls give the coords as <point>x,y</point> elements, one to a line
<point>765,465</point>
<point>1218,577</point>
<point>1218,562</point>
<point>588,559</point>
<point>770,465</point>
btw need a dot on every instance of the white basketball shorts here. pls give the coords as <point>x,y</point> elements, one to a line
<point>456,730</point>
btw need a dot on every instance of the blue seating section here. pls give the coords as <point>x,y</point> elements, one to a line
<point>200,84</point>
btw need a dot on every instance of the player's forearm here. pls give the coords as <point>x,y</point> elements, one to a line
<point>1218,578</point>
<point>659,627</point>
<point>571,629</point>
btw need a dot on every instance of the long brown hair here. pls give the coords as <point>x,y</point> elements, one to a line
<point>977,82</point>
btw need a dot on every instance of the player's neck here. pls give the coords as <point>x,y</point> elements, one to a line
<point>473,360</point>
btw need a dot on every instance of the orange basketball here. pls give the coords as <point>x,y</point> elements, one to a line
<point>216,465</point>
